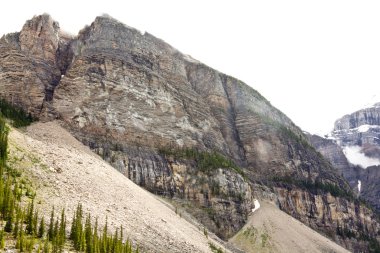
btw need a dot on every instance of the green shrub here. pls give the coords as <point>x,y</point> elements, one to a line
<point>214,248</point>
<point>315,186</point>
<point>4,130</point>
<point>18,117</point>
<point>206,161</point>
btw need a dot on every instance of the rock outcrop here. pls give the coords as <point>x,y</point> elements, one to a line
<point>361,128</point>
<point>178,127</point>
<point>30,66</point>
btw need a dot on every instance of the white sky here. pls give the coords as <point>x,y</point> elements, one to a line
<point>314,60</point>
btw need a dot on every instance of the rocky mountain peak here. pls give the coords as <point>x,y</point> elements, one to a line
<point>361,129</point>
<point>354,149</point>
<point>366,116</point>
<point>39,38</point>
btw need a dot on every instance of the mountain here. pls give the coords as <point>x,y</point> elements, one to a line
<point>361,129</point>
<point>177,127</point>
<point>358,136</point>
<point>270,230</point>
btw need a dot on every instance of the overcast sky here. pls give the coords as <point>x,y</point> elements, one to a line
<point>314,60</point>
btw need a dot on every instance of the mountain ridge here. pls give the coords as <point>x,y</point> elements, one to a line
<point>127,95</point>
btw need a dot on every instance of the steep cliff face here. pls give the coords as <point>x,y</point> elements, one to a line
<point>361,128</point>
<point>335,155</point>
<point>370,189</point>
<point>30,66</point>
<point>184,130</point>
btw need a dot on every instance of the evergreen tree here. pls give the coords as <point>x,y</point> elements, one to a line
<point>95,237</point>
<point>9,224</point>
<point>29,243</point>
<point>41,229</point>
<point>2,240</point>
<point>4,130</point>
<point>46,246</point>
<point>35,223</point>
<point>55,230</point>
<point>88,234</point>
<point>51,226</point>
<point>83,241</point>
<point>29,218</point>
<point>20,243</point>
<point>61,237</point>
<point>18,220</point>
<point>77,228</point>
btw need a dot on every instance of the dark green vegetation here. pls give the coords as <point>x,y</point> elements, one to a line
<point>26,231</point>
<point>214,248</point>
<point>88,239</point>
<point>315,187</point>
<point>17,116</point>
<point>205,161</point>
<point>3,143</point>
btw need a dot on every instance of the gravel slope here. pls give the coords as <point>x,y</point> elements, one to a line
<point>65,172</point>
<point>271,230</point>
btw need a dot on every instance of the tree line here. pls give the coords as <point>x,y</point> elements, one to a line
<point>25,229</point>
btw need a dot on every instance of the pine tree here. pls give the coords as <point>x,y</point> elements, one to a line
<point>7,199</point>
<point>73,227</point>
<point>77,228</point>
<point>51,226</point>
<point>35,223</point>
<point>29,243</point>
<point>18,220</point>
<point>62,231</point>
<point>83,241</point>
<point>20,243</point>
<point>9,224</point>
<point>4,130</point>
<point>29,218</point>
<point>95,237</point>
<point>41,229</point>
<point>88,234</point>
<point>55,230</point>
<point>46,246</point>
<point>2,240</point>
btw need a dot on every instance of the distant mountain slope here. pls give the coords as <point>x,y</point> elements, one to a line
<point>271,230</point>
<point>65,172</point>
<point>354,149</point>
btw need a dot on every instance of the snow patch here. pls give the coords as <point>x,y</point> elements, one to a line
<point>257,205</point>
<point>364,128</point>
<point>359,185</point>
<point>355,156</point>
